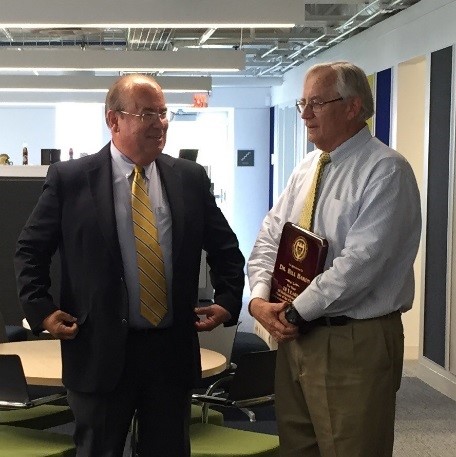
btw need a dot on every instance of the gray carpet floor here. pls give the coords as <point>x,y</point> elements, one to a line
<point>425,421</point>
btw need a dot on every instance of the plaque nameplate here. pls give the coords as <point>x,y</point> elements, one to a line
<point>300,258</point>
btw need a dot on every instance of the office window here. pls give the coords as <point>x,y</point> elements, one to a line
<point>79,126</point>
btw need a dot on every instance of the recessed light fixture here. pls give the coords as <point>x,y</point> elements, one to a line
<point>169,84</point>
<point>55,60</point>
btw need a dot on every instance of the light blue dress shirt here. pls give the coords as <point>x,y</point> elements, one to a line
<point>369,211</point>
<point>122,178</point>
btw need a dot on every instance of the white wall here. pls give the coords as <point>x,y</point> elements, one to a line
<point>251,184</point>
<point>34,126</point>
<point>410,142</point>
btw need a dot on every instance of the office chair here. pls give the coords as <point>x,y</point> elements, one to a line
<point>208,440</point>
<point>3,335</point>
<point>250,384</point>
<point>24,405</point>
<point>23,442</point>
<point>10,333</point>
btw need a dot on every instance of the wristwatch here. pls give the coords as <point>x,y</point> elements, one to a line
<point>292,315</point>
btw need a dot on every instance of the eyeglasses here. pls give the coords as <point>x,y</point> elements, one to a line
<point>315,106</point>
<point>150,116</point>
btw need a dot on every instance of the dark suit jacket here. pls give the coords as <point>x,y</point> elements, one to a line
<point>75,213</point>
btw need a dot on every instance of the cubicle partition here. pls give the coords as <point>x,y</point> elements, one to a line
<point>20,187</point>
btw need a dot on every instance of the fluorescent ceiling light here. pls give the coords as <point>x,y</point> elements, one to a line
<point>77,97</point>
<point>206,35</point>
<point>121,25</point>
<point>144,13</point>
<point>49,60</point>
<point>169,84</point>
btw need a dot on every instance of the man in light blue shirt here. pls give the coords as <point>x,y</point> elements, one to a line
<point>336,384</point>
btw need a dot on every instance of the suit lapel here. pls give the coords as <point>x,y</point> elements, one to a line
<point>172,183</point>
<point>100,184</point>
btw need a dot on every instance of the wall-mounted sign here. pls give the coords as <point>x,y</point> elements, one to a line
<point>246,158</point>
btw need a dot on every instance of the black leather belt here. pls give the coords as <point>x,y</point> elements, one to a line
<point>335,320</point>
<point>324,321</point>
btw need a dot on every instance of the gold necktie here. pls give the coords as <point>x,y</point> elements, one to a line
<point>306,219</point>
<point>150,259</point>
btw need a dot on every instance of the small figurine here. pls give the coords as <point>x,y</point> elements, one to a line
<point>24,155</point>
<point>4,160</point>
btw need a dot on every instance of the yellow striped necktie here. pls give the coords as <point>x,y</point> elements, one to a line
<point>151,268</point>
<point>307,214</point>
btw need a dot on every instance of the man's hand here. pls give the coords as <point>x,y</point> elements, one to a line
<point>215,315</point>
<point>271,317</point>
<point>61,325</point>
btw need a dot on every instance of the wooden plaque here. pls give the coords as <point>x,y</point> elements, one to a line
<point>300,258</point>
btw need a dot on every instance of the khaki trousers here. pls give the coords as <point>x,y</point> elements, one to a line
<point>336,389</point>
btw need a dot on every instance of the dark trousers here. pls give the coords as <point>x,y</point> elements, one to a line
<point>148,386</point>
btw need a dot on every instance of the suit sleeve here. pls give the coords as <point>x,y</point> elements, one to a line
<point>37,243</point>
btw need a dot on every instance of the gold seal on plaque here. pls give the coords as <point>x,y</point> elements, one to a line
<point>299,248</point>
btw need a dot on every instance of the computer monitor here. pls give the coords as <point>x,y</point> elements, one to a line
<point>49,156</point>
<point>189,154</point>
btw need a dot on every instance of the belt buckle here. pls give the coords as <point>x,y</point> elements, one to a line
<point>306,327</point>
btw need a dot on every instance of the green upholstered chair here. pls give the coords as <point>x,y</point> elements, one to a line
<point>23,442</point>
<point>250,384</point>
<point>39,417</point>
<point>208,440</point>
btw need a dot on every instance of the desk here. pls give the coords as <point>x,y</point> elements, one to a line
<point>42,363</point>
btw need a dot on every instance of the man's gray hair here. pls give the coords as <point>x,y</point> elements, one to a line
<point>351,81</point>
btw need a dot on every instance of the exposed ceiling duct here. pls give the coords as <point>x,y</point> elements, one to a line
<point>269,51</point>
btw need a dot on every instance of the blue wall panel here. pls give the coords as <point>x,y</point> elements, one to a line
<point>271,152</point>
<point>383,106</point>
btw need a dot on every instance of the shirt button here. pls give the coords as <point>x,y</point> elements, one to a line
<point>124,322</point>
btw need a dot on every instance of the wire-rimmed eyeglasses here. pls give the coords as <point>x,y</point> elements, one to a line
<point>314,105</point>
<point>151,116</point>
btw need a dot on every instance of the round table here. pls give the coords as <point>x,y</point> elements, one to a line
<point>42,362</point>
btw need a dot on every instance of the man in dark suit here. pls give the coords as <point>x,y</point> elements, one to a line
<point>115,361</point>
